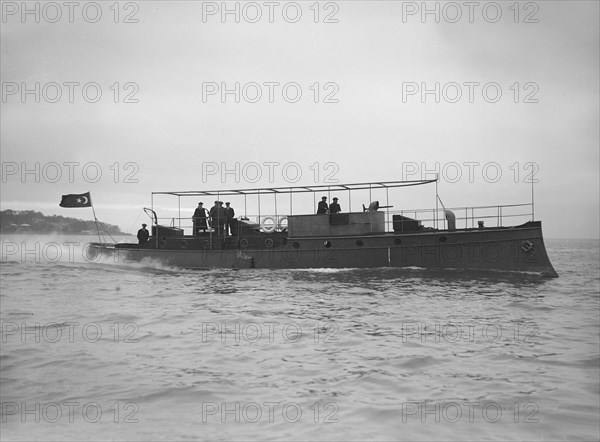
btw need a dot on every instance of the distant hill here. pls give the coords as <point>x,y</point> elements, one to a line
<point>25,221</point>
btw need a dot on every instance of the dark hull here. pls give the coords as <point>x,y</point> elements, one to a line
<point>515,249</point>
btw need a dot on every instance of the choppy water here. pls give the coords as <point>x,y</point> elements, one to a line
<point>100,351</point>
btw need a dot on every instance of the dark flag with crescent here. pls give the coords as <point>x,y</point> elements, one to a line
<point>74,200</point>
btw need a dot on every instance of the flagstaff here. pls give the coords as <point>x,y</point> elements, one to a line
<point>76,200</point>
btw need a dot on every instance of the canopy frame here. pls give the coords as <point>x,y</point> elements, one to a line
<point>291,190</point>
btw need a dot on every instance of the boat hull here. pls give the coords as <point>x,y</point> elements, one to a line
<point>514,249</point>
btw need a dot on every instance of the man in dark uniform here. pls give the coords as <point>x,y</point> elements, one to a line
<point>213,215</point>
<point>335,207</point>
<point>218,217</point>
<point>213,212</point>
<point>199,219</point>
<point>143,235</point>
<point>230,221</point>
<point>323,209</point>
<point>222,216</point>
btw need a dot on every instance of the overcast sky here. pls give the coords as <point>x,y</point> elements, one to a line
<point>512,89</point>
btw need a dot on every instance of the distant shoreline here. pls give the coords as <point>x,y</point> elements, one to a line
<point>61,234</point>
<point>29,222</point>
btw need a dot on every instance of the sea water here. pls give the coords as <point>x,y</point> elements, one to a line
<point>97,350</point>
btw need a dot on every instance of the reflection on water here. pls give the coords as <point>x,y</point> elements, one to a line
<point>385,354</point>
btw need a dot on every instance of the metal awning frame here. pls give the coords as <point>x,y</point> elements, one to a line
<point>291,190</point>
<point>299,189</point>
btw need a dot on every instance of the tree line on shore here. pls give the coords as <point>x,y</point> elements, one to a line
<point>29,221</point>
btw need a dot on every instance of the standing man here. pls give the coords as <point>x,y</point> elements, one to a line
<point>143,235</point>
<point>213,215</point>
<point>221,217</point>
<point>334,206</point>
<point>199,220</point>
<point>323,209</point>
<point>229,221</point>
<point>218,217</point>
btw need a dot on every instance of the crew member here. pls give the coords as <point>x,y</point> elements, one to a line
<point>451,218</point>
<point>323,209</point>
<point>213,215</point>
<point>230,222</point>
<point>143,235</point>
<point>334,207</point>
<point>218,217</point>
<point>199,219</point>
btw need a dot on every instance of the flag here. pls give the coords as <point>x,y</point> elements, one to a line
<point>74,200</point>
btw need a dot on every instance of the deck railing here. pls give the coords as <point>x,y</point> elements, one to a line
<point>465,218</point>
<point>468,217</point>
<point>268,223</point>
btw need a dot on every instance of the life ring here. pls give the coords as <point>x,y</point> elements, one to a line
<point>184,244</point>
<point>281,226</point>
<point>269,243</point>
<point>244,243</point>
<point>268,228</point>
<point>528,247</point>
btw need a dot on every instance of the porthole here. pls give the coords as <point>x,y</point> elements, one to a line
<point>443,239</point>
<point>326,244</point>
<point>359,242</point>
<point>397,241</point>
<point>296,245</point>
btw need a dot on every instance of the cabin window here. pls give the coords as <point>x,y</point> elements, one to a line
<point>397,241</point>
<point>327,244</point>
<point>359,242</point>
<point>443,239</point>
